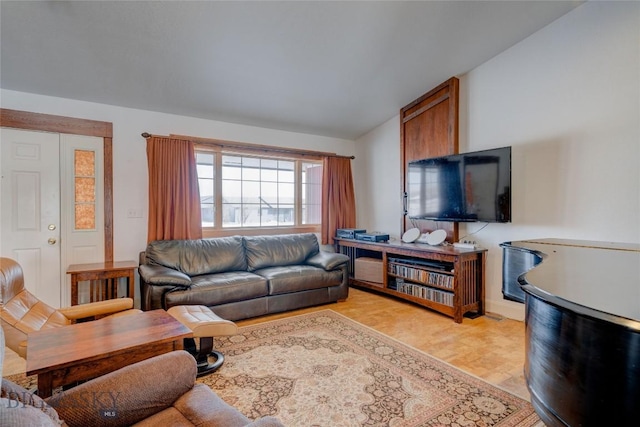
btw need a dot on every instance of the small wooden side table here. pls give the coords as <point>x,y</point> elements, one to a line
<point>109,272</point>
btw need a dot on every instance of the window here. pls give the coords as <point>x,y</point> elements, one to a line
<point>206,170</point>
<point>239,191</point>
<point>84,171</point>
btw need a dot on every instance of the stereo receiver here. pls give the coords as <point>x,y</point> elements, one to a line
<point>348,233</point>
<point>374,236</point>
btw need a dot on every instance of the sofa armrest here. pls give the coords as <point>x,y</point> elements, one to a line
<point>327,260</point>
<point>159,275</point>
<point>98,308</point>
<point>130,394</point>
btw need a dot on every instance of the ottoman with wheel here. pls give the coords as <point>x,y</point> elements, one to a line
<point>205,325</point>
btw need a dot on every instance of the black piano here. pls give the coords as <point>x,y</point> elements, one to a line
<point>582,319</point>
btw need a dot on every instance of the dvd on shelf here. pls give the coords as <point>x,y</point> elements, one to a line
<point>420,275</point>
<point>432,264</point>
<point>424,292</point>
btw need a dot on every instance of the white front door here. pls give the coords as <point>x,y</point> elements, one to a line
<point>30,211</point>
<point>52,207</point>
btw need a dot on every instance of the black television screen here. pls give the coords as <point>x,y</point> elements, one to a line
<point>463,187</point>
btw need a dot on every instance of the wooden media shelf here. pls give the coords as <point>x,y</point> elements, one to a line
<point>443,278</point>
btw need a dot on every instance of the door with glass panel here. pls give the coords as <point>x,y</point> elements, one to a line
<point>82,190</point>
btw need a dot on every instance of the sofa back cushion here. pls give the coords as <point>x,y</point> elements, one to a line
<point>285,249</point>
<point>200,256</point>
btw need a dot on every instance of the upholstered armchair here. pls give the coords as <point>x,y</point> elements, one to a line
<point>21,312</point>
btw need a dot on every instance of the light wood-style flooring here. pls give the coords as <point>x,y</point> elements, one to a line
<point>489,347</point>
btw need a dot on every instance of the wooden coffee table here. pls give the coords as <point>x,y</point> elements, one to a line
<point>62,356</point>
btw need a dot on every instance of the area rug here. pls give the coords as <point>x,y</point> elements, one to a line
<point>324,369</point>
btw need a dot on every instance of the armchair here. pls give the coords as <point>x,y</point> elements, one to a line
<point>21,312</point>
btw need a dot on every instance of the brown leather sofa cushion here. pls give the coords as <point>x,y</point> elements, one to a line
<point>200,256</point>
<point>295,278</point>
<point>221,288</point>
<point>24,313</point>
<point>288,249</point>
<point>30,314</point>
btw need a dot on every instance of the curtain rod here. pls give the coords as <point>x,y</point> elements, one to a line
<point>247,146</point>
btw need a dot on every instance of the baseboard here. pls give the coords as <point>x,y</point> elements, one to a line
<point>509,309</point>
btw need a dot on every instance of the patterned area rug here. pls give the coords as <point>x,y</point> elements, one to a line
<point>323,369</point>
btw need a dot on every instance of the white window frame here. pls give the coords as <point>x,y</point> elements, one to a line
<point>217,230</point>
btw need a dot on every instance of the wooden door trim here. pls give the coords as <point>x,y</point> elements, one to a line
<point>60,124</point>
<point>425,108</point>
<point>446,91</point>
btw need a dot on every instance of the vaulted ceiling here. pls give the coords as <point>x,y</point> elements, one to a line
<point>333,68</point>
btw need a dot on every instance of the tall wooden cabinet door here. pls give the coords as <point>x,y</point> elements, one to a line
<point>429,128</point>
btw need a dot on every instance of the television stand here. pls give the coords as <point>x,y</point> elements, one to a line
<point>448,280</point>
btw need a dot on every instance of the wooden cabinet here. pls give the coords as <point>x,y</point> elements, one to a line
<point>429,128</point>
<point>442,278</point>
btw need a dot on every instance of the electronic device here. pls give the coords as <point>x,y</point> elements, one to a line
<point>348,233</point>
<point>424,238</point>
<point>463,187</point>
<point>463,245</point>
<point>436,237</point>
<point>374,236</point>
<point>411,235</point>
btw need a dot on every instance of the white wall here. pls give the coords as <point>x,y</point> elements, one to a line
<point>376,170</point>
<point>567,99</point>
<point>129,151</point>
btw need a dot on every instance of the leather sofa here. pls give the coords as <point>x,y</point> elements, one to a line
<point>239,277</point>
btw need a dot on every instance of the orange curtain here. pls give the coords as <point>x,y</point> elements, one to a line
<point>174,198</point>
<point>338,198</point>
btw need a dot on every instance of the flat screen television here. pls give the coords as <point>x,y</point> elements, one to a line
<point>464,187</point>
